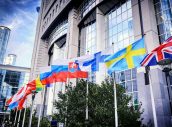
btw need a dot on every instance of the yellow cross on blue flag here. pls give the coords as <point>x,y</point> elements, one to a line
<point>127,58</point>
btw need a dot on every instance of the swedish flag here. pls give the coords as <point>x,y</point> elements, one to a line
<point>127,58</point>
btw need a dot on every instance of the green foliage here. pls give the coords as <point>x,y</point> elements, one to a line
<point>100,105</point>
<point>44,122</point>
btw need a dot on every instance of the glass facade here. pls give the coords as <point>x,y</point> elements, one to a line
<point>90,39</point>
<point>163,13</point>
<point>4,37</point>
<point>10,81</point>
<point>128,80</point>
<point>119,30</point>
<point>88,43</point>
<point>119,26</point>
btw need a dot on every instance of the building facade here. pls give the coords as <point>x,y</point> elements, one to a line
<point>4,37</point>
<point>10,59</point>
<point>11,79</point>
<point>70,28</point>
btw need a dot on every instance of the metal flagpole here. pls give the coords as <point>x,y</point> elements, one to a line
<point>86,110</point>
<point>15,117</point>
<point>66,102</point>
<point>24,116</point>
<point>86,115</point>
<point>19,119</point>
<point>115,101</point>
<point>115,96</point>
<point>153,101</point>
<point>41,106</point>
<point>33,97</point>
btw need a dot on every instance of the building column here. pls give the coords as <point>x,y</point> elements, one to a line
<point>100,43</point>
<point>72,35</point>
<point>157,77</point>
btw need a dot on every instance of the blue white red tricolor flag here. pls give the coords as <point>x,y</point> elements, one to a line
<point>163,51</point>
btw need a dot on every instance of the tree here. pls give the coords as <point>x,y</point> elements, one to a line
<point>72,105</point>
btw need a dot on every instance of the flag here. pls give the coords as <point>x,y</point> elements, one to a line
<point>161,52</point>
<point>13,101</point>
<point>35,85</point>
<point>127,58</point>
<point>75,72</point>
<point>91,62</point>
<point>58,74</point>
<point>21,103</point>
<point>39,85</point>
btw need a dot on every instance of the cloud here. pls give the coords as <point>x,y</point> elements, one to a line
<point>22,21</point>
<point>15,23</point>
<point>23,52</point>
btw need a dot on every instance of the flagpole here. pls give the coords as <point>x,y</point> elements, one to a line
<point>19,119</point>
<point>15,117</point>
<point>66,102</point>
<point>86,117</point>
<point>115,96</point>
<point>40,110</point>
<point>153,100</point>
<point>115,101</point>
<point>86,110</point>
<point>24,116</point>
<point>31,110</point>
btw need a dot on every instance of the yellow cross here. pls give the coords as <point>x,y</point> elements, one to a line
<point>128,56</point>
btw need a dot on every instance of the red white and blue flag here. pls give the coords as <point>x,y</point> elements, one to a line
<point>75,72</point>
<point>163,51</point>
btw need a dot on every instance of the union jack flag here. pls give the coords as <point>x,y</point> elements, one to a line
<point>161,52</point>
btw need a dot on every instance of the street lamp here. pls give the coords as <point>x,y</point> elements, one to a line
<point>166,65</point>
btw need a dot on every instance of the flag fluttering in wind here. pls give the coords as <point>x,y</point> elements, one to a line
<point>161,52</point>
<point>13,101</point>
<point>75,72</point>
<point>127,58</point>
<point>91,62</point>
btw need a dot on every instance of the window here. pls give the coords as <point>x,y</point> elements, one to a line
<point>90,39</point>
<point>119,31</point>
<point>163,13</point>
<point>88,43</point>
<point>120,26</point>
<point>128,80</point>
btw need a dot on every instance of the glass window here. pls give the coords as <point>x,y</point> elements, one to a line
<point>121,33</point>
<point>128,75</point>
<point>129,86</point>
<point>163,15</point>
<point>88,41</point>
<point>135,97</point>
<point>122,77</point>
<point>134,85</point>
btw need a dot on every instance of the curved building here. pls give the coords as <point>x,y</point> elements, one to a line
<point>4,37</point>
<point>71,28</point>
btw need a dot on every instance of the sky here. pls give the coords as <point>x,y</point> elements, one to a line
<point>21,17</point>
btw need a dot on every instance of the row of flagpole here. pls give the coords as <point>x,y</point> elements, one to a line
<point>115,104</point>
<point>19,117</point>
<point>86,116</point>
